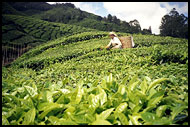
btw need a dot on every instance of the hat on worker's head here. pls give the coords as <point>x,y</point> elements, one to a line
<point>113,33</point>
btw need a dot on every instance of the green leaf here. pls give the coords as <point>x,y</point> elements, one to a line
<point>123,119</point>
<point>148,78</point>
<point>156,94</point>
<point>48,107</point>
<point>109,78</point>
<point>101,122</point>
<point>29,117</point>
<point>79,119</point>
<point>79,95</point>
<point>121,107</point>
<point>10,113</point>
<point>180,117</point>
<point>32,91</point>
<point>134,99</point>
<point>133,85</point>
<point>13,99</point>
<point>65,91</point>
<point>177,110</point>
<point>160,110</point>
<point>155,100</point>
<point>34,87</point>
<point>156,82</point>
<point>105,114</point>
<point>89,117</point>
<point>54,120</point>
<point>149,108</point>
<point>144,86</point>
<point>134,119</point>
<point>70,110</point>
<point>124,82</point>
<point>137,108</point>
<point>147,116</point>
<point>121,89</point>
<point>95,83</point>
<point>143,97</point>
<point>28,102</point>
<point>102,95</point>
<point>80,83</point>
<point>133,82</point>
<point>151,92</point>
<point>103,83</point>
<point>93,101</point>
<point>162,121</point>
<point>49,97</point>
<point>65,81</point>
<point>5,121</point>
<point>67,122</point>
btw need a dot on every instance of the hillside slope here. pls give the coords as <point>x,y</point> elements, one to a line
<point>21,33</point>
<point>22,28</point>
<point>72,15</point>
<point>67,13</point>
<point>70,81</point>
<point>63,48</point>
<point>8,9</point>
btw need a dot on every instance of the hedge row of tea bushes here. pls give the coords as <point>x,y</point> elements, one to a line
<point>98,88</point>
<point>31,57</point>
<point>21,33</point>
<point>71,81</point>
<point>149,40</point>
<point>42,29</point>
<point>80,44</point>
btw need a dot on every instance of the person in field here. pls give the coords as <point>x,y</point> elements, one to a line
<point>115,43</point>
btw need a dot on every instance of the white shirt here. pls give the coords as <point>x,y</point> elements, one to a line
<point>115,41</point>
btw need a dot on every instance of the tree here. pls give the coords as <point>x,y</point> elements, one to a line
<point>109,18</point>
<point>99,18</point>
<point>150,30</point>
<point>135,26</point>
<point>23,6</point>
<point>125,24</point>
<point>69,5</point>
<point>116,20</point>
<point>125,27</point>
<point>147,31</point>
<point>174,24</point>
<point>104,19</point>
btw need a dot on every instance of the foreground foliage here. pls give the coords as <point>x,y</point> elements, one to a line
<point>104,102</point>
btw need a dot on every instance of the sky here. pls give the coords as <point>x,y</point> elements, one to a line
<point>147,13</point>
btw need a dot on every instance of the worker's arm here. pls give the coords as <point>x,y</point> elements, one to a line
<point>108,45</point>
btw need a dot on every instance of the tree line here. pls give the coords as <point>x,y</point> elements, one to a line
<point>174,24</point>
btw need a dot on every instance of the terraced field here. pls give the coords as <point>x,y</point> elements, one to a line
<point>71,81</point>
<point>21,33</point>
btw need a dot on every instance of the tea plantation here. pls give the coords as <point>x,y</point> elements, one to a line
<point>21,33</point>
<point>69,80</point>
